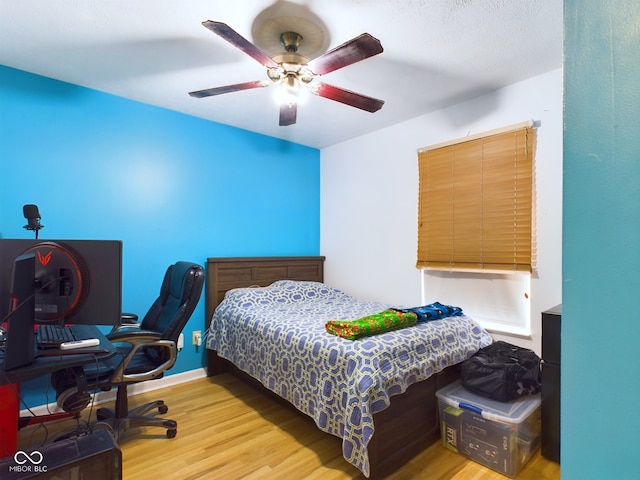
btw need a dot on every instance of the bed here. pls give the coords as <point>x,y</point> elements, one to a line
<point>376,393</point>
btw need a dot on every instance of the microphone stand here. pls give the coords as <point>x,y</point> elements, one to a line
<point>35,228</point>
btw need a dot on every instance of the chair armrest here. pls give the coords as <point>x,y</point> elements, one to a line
<point>127,320</point>
<point>169,345</point>
<point>139,339</point>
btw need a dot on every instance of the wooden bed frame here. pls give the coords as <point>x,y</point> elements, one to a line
<point>408,426</point>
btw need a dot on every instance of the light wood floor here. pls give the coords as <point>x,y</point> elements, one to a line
<point>227,430</point>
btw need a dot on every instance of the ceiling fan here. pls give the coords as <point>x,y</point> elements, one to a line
<point>293,70</point>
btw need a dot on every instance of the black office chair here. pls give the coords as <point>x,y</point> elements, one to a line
<point>147,351</point>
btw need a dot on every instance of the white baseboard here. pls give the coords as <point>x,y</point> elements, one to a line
<point>134,389</point>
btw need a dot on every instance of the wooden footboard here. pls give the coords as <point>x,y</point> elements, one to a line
<point>402,431</point>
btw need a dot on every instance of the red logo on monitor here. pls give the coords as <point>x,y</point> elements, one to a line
<point>44,259</point>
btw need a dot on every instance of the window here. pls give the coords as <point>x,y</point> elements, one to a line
<point>499,302</point>
<point>475,203</point>
<point>475,224</point>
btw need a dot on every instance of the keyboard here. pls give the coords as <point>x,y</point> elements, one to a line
<point>51,336</point>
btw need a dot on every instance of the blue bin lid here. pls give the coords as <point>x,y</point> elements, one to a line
<point>515,411</point>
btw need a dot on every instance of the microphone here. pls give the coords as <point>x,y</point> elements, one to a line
<point>32,215</point>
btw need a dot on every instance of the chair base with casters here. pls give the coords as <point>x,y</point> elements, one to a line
<point>146,351</point>
<point>121,418</point>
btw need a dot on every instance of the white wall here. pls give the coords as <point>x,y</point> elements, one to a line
<point>369,196</point>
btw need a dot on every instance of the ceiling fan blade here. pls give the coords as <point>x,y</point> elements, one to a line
<point>288,113</point>
<point>347,97</point>
<point>237,40</point>
<point>352,51</point>
<point>210,92</point>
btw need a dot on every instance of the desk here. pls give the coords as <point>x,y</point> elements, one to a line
<point>46,362</point>
<point>49,360</point>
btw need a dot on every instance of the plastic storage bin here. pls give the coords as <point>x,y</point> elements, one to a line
<point>500,435</point>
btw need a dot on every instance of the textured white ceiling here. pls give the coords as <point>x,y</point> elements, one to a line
<point>436,53</point>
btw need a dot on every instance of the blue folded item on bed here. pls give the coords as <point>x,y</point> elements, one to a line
<point>433,311</point>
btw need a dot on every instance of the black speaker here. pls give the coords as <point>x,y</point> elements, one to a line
<point>550,408</point>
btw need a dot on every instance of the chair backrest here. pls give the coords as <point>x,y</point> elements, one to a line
<point>179,294</point>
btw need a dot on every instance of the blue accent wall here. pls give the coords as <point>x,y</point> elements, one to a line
<point>601,241</point>
<point>171,186</point>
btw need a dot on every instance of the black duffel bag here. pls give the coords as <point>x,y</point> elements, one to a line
<point>503,372</point>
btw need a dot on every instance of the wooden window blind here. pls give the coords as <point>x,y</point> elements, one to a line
<point>476,203</point>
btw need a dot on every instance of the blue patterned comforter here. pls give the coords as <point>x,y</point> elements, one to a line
<point>277,335</point>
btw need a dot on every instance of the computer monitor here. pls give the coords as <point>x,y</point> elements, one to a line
<point>18,348</point>
<point>77,281</point>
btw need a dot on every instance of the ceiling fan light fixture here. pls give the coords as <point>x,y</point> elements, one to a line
<point>275,74</point>
<point>289,92</point>
<point>291,82</point>
<point>291,89</point>
<point>305,75</point>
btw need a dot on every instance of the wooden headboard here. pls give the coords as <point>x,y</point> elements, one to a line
<point>227,273</point>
